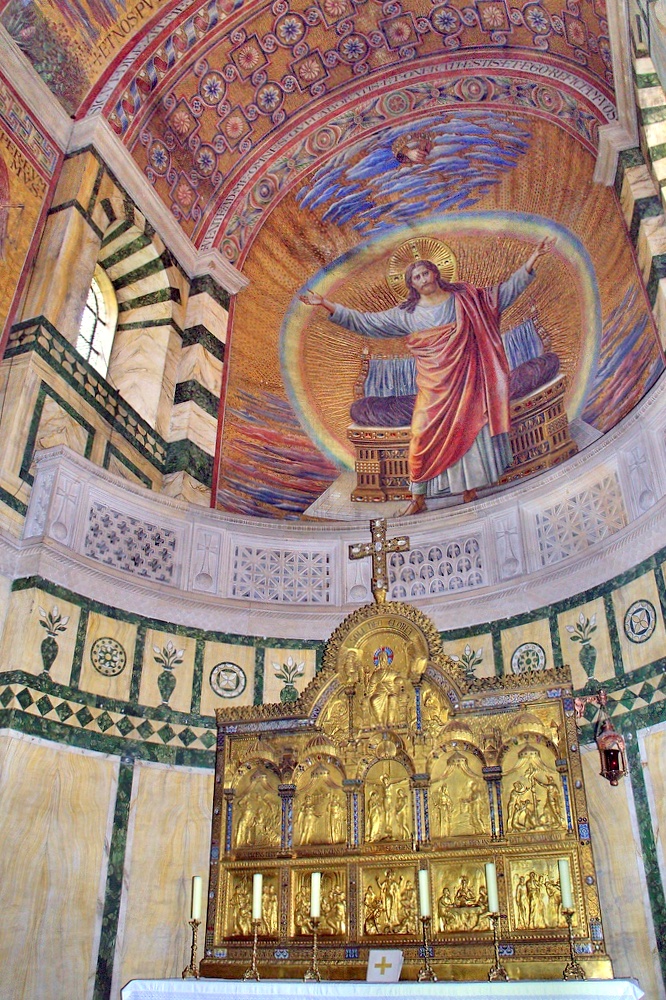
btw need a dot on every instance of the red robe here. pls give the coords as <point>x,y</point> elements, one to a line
<point>463,383</point>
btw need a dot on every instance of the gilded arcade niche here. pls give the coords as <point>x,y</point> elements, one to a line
<point>391,762</point>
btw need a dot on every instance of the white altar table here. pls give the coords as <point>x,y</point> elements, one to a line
<point>286,989</point>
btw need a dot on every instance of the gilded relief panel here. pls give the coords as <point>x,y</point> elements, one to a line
<point>333,920</point>
<point>257,809</point>
<point>388,811</point>
<point>320,807</point>
<point>389,903</point>
<point>239,907</point>
<point>459,798</point>
<point>460,898</point>
<point>535,900</point>
<point>532,790</point>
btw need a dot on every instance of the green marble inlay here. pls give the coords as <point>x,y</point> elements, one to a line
<point>496,633</point>
<point>111,451</point>
<point>128,250</point>
<point>197,393</point>
<point>77,207</point>
<point>44,391</point>
<point>555,639</point>
<point>201,335</point>
<point>613,636</point>
<point>185,455</point>
<point>648,844</point>
<point>150,299</point>
<point>259,658</point>
<point>96,186</point>
<point>149,324</point>
<point>649,116</point>
<point>205,284</point>
<point>137,665</point>
<point>151,267</point>
<point>77,659</point>
<point>197,680</point>
<point>12,501</point>
<point>114,881</point>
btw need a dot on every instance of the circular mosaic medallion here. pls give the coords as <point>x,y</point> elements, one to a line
<point>388,652</point>
<point>108,656</point>
<point>228,680</point>
<point>640,621</point>
<point>528,656</point>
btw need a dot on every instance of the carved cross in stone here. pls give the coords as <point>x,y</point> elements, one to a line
<point>377,549</point>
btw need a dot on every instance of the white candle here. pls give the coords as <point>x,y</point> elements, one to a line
<point>195,908</point>
<point>424,893</point>
<point>491,886</point>
<point>315,895</point>
<point>257,890</point>
<point>565,884</point>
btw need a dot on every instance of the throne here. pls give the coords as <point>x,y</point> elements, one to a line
<point>384,396</point>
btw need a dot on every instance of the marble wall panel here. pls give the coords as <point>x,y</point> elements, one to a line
<point>474,654</point>
<point>197,364</point>
<point>625,906</point>
<point>228,676</point>
<point>57,426</point>
<point>111,642</point>
<point>638,614</point>
<point>189,421</point>
<point>600,663</point>
<point>526,646</point>
<point>298,664</point>
<point>55,825</point>
<point>168,841</point>
<point>163,647</point>
<point>23,635</point>
<point>653,755</point>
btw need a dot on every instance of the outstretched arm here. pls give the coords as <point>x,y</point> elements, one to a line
<point>390,323</point>
<point>313,299</point>
<point>546,245</point>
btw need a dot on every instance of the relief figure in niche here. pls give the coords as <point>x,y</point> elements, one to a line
<point>240,908</point>
<point>258,822</point>
<point>390,905</point>
<point>386,693</point>
<point>387,809</point>
<point>443,808</point>
<point>535,800</point>
<point>463,907</point>
<point>320,809</point>
<point>537,896</point>
<point>461,416</point>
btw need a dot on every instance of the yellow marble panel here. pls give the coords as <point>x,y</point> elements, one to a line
<point>235,680</point>
<point>57,426</point>
<point>168,842</point>
<point>110,683</point>
<point>640,653</point>
<point>478,650</point>
<point>23,635</point>
<point>297,667</point>
<point>537,633</point>
<point>654,752</point>
<point>164,646</point>
<point>625,908</point>
<point>577,622</point>
<point>55,826</point>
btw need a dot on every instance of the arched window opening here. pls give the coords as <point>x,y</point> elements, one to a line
<point>98,323</point>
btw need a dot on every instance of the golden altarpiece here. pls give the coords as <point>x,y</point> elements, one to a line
<point>389,762</point>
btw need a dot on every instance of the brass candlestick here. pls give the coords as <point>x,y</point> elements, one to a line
<point>497,973</point>
<point>426,974</point>
<point>253,972</point>
<point>572,970</point>
<point>313,974</point>
<point>191,972</point>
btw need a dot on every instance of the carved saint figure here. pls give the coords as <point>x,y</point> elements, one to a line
<point>391,896</point>
<point>333,910</point>
<point>372,905</point>
<point>240,909</point>
<point>443,809</point>
<point>521,902</point>
<point>302,911</point>
<point>258,822</point>
<point>535,909</point>
<point>472,807</point>
<point>270,910</point>
<point>336,820</point>
<point>385,691</point>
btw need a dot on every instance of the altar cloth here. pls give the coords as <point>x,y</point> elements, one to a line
<point>287,989</point>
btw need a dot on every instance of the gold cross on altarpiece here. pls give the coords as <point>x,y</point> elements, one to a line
<point>377,549</point>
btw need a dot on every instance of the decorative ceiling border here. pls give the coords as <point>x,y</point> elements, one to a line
<point>564,98</point>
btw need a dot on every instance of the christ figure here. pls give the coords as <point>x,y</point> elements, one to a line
<point>460,424</point>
